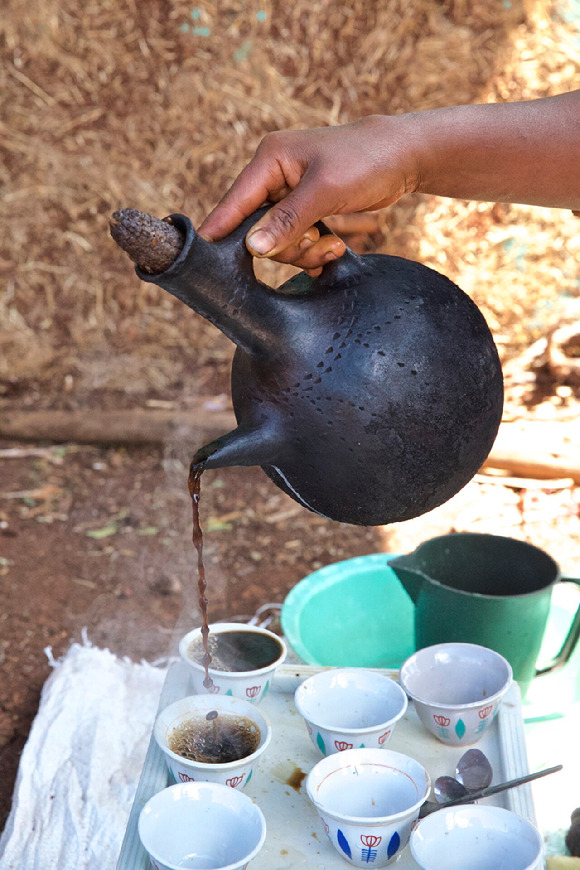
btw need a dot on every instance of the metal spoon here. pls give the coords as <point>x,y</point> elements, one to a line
<point>473,772</point>
<point>446,788</point>
<point>471,796</point>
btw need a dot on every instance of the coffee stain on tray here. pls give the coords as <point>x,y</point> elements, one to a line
<point>296,779</point>
<point>289,774</point>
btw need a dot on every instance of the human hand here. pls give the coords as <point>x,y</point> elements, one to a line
<point>310,175</point>
<point>521,152</point>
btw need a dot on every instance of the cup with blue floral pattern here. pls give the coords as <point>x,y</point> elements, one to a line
<point>350,708</point>
<point>368,801</point>
<point>457,689</point>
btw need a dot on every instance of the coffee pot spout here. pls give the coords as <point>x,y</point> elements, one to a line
<point>246,445</point>
<point>215,279</point>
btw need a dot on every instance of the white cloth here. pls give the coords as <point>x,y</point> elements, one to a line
<point>80,767</point>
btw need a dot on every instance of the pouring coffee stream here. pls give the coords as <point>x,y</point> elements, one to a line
<point>194,486</point>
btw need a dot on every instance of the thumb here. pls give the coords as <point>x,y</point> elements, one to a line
<point>283,224</point>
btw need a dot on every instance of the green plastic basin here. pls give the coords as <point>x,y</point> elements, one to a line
<point>353,613</point>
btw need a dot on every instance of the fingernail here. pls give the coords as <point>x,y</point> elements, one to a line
<point>330,255</point>
<point>261,241</point>
<point>304,243</point>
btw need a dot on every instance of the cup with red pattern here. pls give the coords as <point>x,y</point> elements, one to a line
<point>368,801</point>
<point>350,708</point>
<point>457,689</point>
<point>212,739</point>
<point>241,659</point>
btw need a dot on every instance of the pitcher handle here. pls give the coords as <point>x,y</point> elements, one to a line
<point>570,640</point>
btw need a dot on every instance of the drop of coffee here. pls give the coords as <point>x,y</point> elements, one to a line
<point>194,486</point>
<point>215,740</point>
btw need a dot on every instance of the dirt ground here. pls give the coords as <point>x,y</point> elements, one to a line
<point>101,106</point>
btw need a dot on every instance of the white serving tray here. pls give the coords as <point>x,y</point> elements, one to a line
<point>295,838</point>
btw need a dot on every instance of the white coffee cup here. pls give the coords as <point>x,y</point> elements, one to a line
<point>201,826</point>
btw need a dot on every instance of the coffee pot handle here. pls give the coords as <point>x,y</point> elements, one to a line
<point>570,640</point>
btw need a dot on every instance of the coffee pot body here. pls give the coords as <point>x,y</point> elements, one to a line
<point>370,394</point>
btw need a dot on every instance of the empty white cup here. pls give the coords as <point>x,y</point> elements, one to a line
<point>368,801</point>
<point>476,837</point>
<point>457,689</point>
<point>201,826</point>
<point>348,708</point>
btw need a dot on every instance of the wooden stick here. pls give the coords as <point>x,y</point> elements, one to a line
<point>533,466</point>
<point>136,426</point>
<point>531,451</point>
<point>538,449</point>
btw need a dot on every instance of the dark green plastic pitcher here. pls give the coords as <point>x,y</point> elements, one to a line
<point>486,589</point>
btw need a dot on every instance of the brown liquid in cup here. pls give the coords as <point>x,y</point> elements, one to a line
<point>219,740</point>
<point>236,651</point>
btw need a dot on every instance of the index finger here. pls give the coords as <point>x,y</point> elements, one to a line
<point>255,185</point>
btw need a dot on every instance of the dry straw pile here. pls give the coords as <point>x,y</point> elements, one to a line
<point>157,105</point>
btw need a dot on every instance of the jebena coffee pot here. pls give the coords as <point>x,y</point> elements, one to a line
<point>371,394</point>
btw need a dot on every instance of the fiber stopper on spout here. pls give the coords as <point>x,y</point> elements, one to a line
<point>152,243</point>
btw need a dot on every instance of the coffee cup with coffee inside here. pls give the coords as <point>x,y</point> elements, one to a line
<point>243,661</point>
<point>207,739</point>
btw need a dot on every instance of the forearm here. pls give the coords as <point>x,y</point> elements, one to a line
<point>527,152</point>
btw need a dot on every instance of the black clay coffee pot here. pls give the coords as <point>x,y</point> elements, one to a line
<point>370,394</point>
